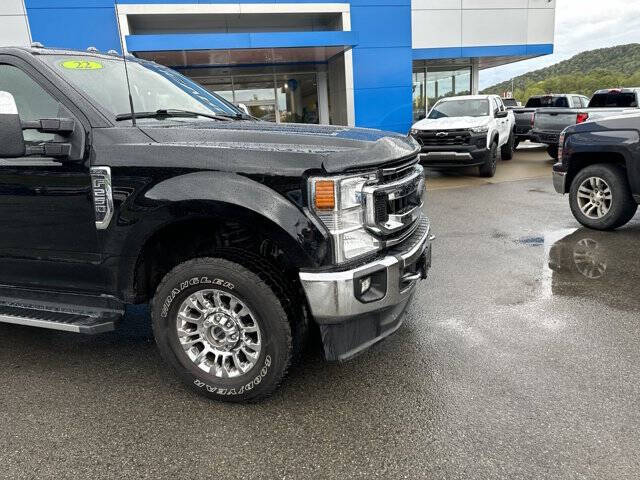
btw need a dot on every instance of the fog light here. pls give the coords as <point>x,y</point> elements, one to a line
<point>365,284</point>
<point>370,285</point>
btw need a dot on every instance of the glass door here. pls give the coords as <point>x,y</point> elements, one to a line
<point>258,93</point>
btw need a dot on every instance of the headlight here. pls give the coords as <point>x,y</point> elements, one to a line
<point>414,131</point>
<point>483,129</point>
<point>338,203</point>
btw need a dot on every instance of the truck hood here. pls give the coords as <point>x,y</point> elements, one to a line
<point>290,147</point>
<point>451,123</point>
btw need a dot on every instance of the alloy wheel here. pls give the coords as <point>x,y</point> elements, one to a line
<point>594,197</point>
<point>219,333</point>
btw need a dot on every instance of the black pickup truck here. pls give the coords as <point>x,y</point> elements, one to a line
<point>240,234</point>
<point>599,168</point>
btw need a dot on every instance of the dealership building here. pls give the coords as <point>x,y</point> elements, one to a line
<point>370,63</point>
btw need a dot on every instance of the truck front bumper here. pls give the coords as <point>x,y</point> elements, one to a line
<point>453,156</point>
<point>349,321</point>
<point>560,178</point>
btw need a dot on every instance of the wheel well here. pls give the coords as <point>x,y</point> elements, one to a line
<point>212,237</point>
<point>580,161</point>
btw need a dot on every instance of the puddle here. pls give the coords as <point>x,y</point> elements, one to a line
<point>602,267</point>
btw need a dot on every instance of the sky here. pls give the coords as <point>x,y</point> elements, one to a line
<point>580,25</point>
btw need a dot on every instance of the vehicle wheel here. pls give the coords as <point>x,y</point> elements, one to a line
<point>552,151</point>
<point>600,197</point>
<point>223,328</point>
<point>488,169</point>
<point>506,151</point>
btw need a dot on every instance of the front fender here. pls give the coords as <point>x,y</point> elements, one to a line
<point>624,143</point>
<point>211,195</point>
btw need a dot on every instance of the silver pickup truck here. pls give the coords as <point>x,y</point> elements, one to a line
<point>548,123</point>
<point>524,115</point>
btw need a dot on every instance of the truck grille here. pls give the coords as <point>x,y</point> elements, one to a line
<point>443,138</point>
<point>394,204</point>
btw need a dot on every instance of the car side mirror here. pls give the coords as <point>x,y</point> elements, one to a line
<point>244,108</point>
<point>504,114</point>
<point>11,138</point>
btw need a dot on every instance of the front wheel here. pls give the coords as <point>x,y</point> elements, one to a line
<point>600,197</point>
<point>552,151</point>
<point>223,329</point>
<point>506,151</point>
<point>488,168</point>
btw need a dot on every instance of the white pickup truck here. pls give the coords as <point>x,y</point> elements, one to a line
<point>466,131</point>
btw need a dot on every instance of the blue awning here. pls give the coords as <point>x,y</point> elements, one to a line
<point>230,41</point>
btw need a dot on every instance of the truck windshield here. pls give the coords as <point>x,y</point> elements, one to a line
<point>613,99</point>
<point>153,87</point>
<point>460,108</point>
<point>547,101</point>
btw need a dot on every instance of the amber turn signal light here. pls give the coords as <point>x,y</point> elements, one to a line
<point>325,195</point>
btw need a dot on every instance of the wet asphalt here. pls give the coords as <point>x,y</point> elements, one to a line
<point>519,358</point>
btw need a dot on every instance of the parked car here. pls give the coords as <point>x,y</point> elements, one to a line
<point>511,103</point>
<point>524,117</point>
<point>599,168</point>
<point>549,122</point>
<point>466,131</point>
<point>239,233</point>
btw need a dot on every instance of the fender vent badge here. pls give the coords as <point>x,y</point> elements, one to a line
<point>102,196</point>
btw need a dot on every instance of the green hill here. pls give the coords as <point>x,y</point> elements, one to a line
<point>584,73</point>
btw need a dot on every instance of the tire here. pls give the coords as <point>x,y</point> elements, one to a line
<point>608,212</point>
<point>245,361</point>
<point>506,151</point>
<point>552,151</point>
<point>488,169</point>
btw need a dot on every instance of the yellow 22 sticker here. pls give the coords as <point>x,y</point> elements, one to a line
<point>81,65</point>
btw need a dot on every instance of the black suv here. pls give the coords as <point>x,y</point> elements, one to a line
<point>241,234</point>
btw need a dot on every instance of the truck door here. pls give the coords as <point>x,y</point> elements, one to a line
<point>47,224</point>
<point>502,123</point>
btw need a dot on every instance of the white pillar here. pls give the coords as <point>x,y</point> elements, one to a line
<point>323,98</point>
<point>475,76</point>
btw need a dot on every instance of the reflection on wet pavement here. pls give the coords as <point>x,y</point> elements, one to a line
<point>599,266</point>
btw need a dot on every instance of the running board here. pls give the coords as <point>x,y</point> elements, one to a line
<point>59,311</point>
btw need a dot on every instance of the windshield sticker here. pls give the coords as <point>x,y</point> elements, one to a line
<point>81,65</point>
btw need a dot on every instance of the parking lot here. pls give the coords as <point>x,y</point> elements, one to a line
<point>518,359</point>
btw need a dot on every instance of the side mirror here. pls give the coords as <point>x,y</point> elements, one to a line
<point>244,108</point>
<point>11,139</point>
<point>500,114</point>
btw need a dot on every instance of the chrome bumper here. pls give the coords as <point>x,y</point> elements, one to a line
<point>560,181</point>
<point>331,295</point>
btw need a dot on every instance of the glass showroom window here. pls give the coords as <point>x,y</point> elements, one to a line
<point>447,83</point>
<point>430,84</point>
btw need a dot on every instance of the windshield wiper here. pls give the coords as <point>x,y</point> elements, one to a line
<point>236,116</point>
<point>171,112</point>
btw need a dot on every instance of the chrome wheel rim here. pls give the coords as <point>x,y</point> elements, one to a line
<point>219,333</point>
<point>594,197</point>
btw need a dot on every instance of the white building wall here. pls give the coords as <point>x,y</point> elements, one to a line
<point>473,23</point>
<point>14,29</point>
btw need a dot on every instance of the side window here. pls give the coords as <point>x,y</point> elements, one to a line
<point>32,100</point>
<point>577,102</point>
<point>501,105</point>
<point>494,104</point>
